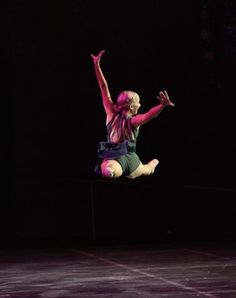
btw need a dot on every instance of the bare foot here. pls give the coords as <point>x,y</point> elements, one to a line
<point>153,163</point>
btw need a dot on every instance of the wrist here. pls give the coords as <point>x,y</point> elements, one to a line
<point>164,104</point>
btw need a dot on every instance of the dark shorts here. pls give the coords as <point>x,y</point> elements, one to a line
<point>129,162</point>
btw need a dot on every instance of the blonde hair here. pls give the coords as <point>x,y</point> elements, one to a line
<point>124,100</point>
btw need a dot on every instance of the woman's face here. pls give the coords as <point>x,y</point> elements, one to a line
<point>135,105</point>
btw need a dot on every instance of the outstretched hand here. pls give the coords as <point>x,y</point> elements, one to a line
<point>164,99</point>
<point>96,59</point>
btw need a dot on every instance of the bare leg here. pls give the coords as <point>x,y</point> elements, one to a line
<point>144,169</point>
<point>111,169</point>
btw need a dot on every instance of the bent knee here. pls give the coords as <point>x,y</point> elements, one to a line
<point>111,169</point>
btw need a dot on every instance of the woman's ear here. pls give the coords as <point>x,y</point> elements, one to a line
<point>131,106</point>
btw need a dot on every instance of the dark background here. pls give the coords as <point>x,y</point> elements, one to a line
<point>57,119</point>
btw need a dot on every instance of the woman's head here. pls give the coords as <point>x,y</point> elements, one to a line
<point>128,101</point>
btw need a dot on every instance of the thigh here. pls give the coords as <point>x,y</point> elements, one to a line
<point>136,173</point>
<point>129,163</point>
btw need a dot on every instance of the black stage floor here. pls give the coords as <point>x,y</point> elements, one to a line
<point>124,271</point>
